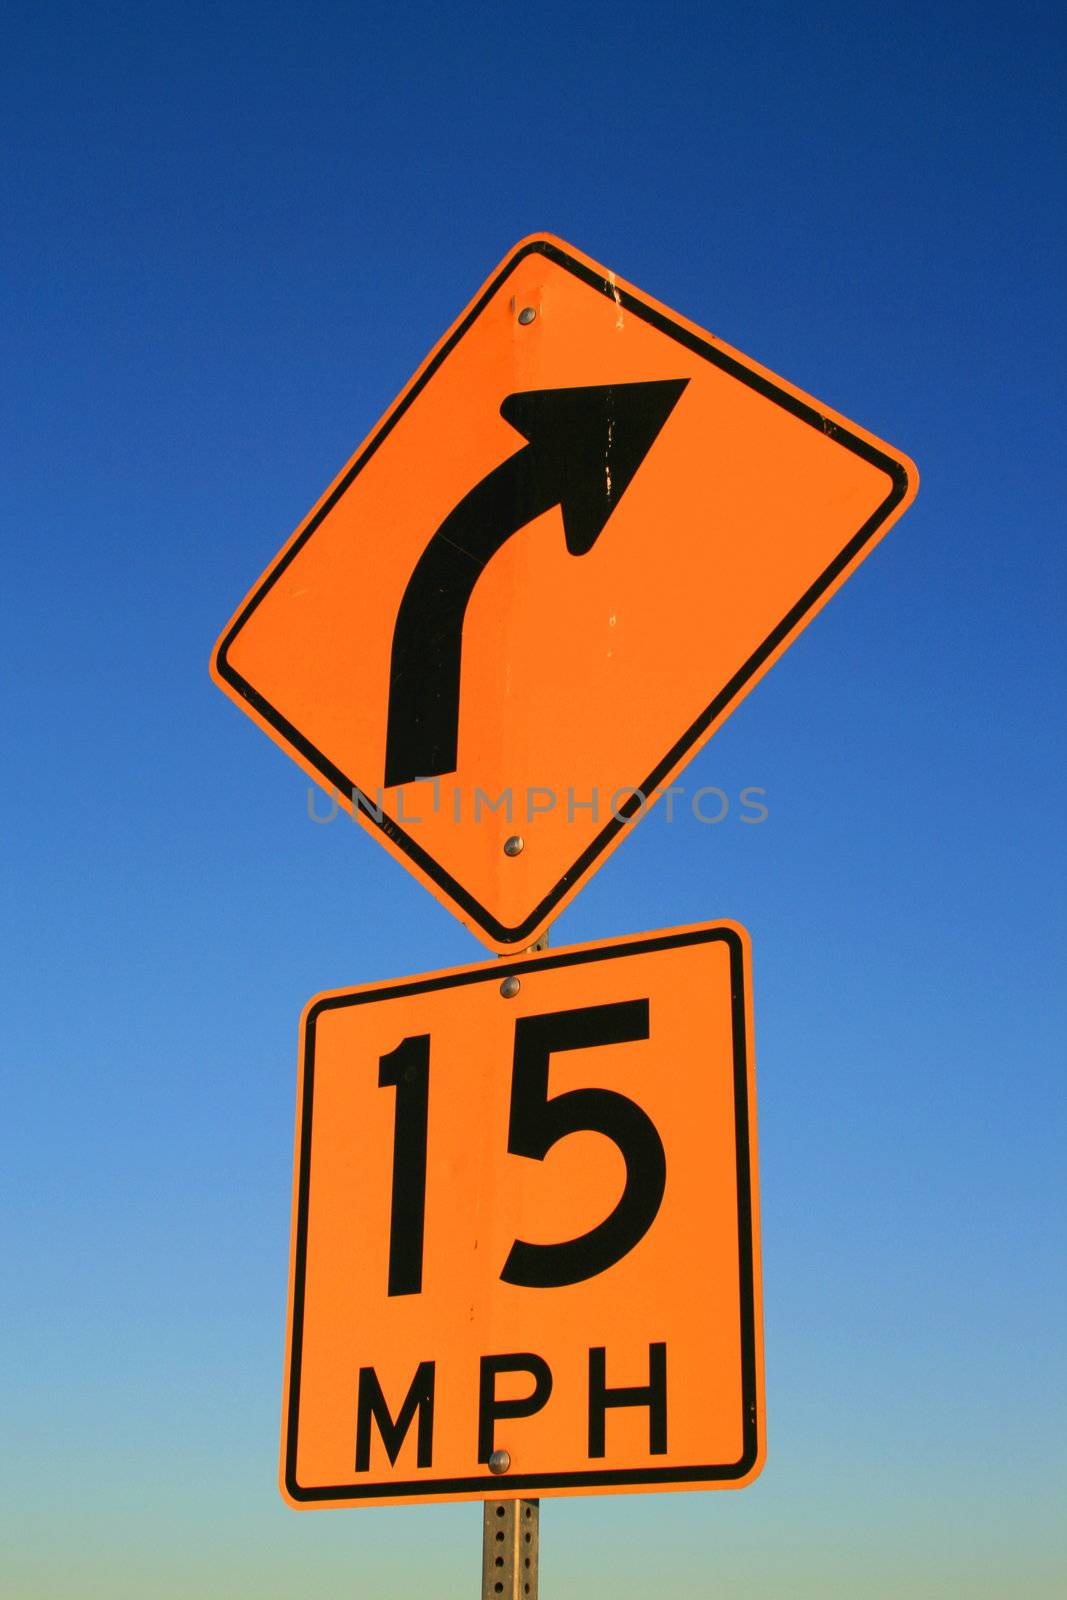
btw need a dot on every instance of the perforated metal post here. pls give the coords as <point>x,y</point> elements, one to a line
<point>509,1549</point>
<point>511,1528</point>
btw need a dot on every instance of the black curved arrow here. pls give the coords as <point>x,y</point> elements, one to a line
<point>584,447</point>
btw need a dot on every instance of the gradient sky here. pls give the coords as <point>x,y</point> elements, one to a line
<point>231,233</point>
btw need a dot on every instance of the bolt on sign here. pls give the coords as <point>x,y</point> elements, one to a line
<point>525,1255</point>
<point>573,544</point>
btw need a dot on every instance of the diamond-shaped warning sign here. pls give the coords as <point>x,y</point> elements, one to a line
<point>573,544</point>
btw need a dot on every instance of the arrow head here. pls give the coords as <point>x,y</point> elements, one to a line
<point>588,443</point>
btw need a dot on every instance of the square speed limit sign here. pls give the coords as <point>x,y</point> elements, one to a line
<point>525,1234</point>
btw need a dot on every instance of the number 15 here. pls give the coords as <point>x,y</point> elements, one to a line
<point>537,1121</point>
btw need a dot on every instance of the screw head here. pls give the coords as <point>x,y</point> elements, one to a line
<point>510,988</point>
<point>515,845</point>
<point>499,1462</point>
<point>527,315</point>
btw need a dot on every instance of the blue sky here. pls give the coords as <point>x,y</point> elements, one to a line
<point>231,234</point>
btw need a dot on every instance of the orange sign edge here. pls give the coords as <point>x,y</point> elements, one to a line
<point>899,468</point>
<point>754,1459</point>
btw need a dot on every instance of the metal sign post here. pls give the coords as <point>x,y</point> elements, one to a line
<point>510,1543</point>
<point>511,1529</point>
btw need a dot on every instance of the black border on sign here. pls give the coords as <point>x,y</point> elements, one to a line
<point>487,1485</point>
<point>347,786</point>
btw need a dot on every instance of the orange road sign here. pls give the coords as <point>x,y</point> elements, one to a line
<point>576,540</point>
<point>525,1254</point>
